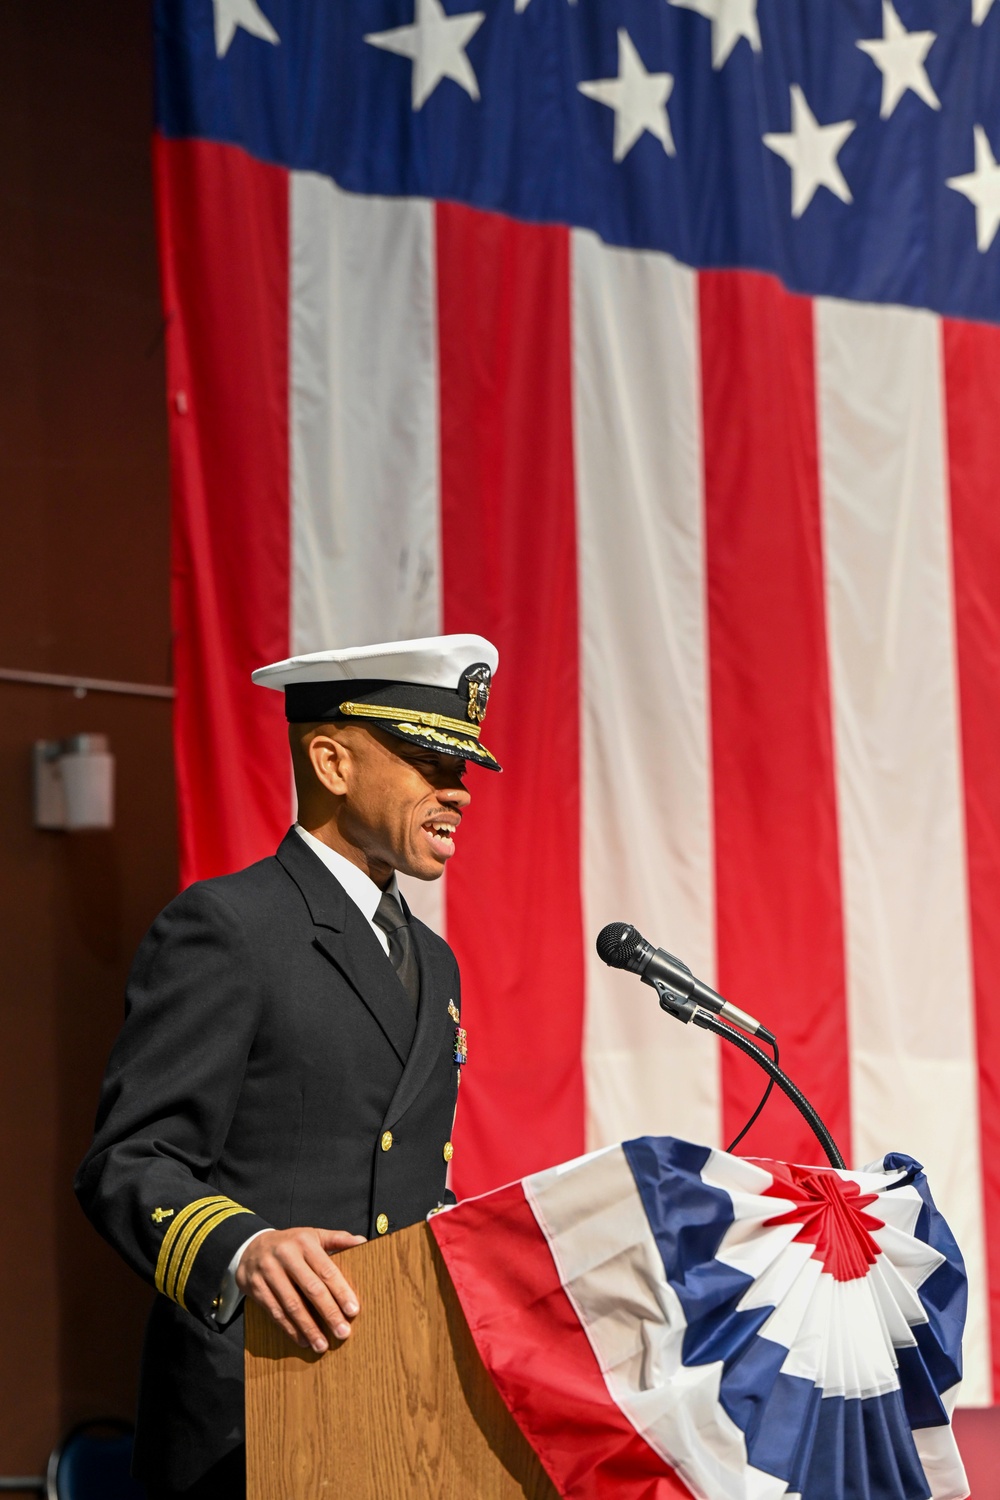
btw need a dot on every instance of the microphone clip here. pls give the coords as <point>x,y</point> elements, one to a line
<point>681,1007</point>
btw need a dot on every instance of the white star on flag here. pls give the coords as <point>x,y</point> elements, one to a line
<point>639,99</point>
<point>436,45</point>
<point>731,19</point>
<point>900,56</point>
<point>246,13</point>
<point>982,187</point>
<point>980,10</point>
<point>811,149</point>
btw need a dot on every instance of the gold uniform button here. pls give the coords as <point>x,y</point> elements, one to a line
<point>387,1140</point>
<point>382,1224</point>
<point>449,1151</point>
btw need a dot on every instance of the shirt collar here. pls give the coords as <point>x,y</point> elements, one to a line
<point>363,891</point>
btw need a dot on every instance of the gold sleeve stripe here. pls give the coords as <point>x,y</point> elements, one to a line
<point>187,1246</point>
<point>411,716</point>
<point>173,1234</point>
<point>194,1245</point>
<point>191,1228</point>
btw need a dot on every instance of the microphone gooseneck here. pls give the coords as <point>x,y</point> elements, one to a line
<point>785,1084</point>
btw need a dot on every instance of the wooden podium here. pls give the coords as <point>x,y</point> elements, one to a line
<point>404,1407</point>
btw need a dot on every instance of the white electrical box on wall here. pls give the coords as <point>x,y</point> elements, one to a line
<point>74,783</point>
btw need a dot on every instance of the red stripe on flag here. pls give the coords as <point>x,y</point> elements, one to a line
<point>509,573</point>
<point>779,917</point>
<point>539,1356</point>
<point>972,386</point>
<point>223,234</point>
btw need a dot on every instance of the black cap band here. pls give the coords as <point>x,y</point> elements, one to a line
<point>314,702</point>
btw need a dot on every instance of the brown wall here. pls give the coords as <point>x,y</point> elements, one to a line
<point>83,589</point>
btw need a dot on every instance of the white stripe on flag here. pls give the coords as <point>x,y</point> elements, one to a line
<point>646,837</point>
<point>366,545</point>
<point>892,651</point>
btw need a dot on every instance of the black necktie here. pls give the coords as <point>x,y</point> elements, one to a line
<point>389,917</point>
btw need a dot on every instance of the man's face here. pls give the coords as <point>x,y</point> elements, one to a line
<point>402,804</point>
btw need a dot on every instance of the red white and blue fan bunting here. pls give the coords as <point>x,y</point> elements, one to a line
<point>663,1319</point>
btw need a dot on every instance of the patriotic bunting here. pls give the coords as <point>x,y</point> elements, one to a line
<point>666,1320</point>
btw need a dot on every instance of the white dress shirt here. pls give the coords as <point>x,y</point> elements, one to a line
<point>366,896</point>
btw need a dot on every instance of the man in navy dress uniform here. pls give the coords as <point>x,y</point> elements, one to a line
<point>285,1081</point>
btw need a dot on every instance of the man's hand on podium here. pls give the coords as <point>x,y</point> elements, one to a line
<point>282,1267</point>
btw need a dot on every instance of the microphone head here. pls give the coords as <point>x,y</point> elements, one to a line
<point>621,947</point>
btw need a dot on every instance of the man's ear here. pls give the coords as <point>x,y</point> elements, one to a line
<point>331,763</point>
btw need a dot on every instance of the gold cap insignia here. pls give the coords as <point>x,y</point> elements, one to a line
<point>477,680</point>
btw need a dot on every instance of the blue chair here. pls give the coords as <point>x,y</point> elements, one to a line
<point>92,1463</point>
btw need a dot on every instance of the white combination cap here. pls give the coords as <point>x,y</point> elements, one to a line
<point>433,692</point>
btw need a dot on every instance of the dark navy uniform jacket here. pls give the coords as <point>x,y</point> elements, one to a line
<point>271,1072</point>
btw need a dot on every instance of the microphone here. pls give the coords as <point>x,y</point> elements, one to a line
<point>622,947</point>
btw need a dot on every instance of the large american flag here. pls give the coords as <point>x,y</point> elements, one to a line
<point>655,340</point>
